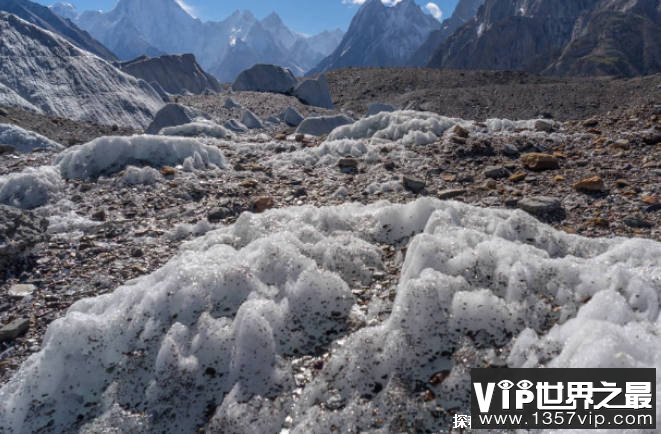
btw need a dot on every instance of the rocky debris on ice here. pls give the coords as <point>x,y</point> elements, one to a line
<point>30,188</point>
<point>172,115</point>
<point>251,120</point>
<point>108,155</point>
<point>68,82</point>
<point>292,117</point>
<point>22,140</point>
<point>265,78</point>
<point>197,128</point>
<point>314,92</point>
<point>376,107</point>
<point>20,232</point>
<point>321,125</point>
<point>263,322</point>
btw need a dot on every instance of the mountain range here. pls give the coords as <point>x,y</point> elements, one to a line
<point>224,48</point>
<point>558,37</point>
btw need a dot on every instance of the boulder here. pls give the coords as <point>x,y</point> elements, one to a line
<point>292,117</point>
<point>377,107</point>
<point>177,74</point>
<point>251,120</point>
<point>172,115</point>
<point>542,207</point>
<point>236,126</point>
<point>318,126</point>
<point>20,231</point>
<point>230,103</point>
<point>314,92</point>
<point>265,78</point>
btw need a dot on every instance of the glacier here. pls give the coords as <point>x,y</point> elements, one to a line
<point>281,323</point>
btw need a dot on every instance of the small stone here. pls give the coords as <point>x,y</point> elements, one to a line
<point>460,131</point>
<point>600,222</point>
<point>593,184</point>
<point>621,183</point>
<point>543,126</point>
<point>558,178</point>
<point>510,150</point>
<point>590,123</point>
<point>168,171</point>
<point>281,136</point>
<point>412,184</point>
<point>653,208</point>
<point>218,214</point>
<point>450,194</point>
<point>637,223</point>
<point>262,203</point>
<point>448,177</point>
<point>21,290</point>
<point>538,162</point>
<point>518,176</point>
<point>491,184</point>
<point>649,200</point>
<point>541,206</point>
<point>299,138</point>
<point>14,329</point>
<point>389,165</point>
<point>496,172</point>
<point>3,112</point>
<point>347,164</point>
<point>137,252</point>
<point>99,216</point>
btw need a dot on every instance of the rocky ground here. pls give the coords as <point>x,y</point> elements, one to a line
<point>481,95</point>
<point>596,175</point>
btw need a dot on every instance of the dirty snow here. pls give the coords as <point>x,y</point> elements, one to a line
<point>220,336</point>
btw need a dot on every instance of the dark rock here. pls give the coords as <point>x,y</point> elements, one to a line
<point>218,214</point>
<point>99,216</point>
<point>496,172</point>
<point>542,207</point>
<point>14,329</point>
<point>250,120</point>
<point>414,185</point>
<point>637,223</point>
<point>231,104</point>
<point>347,164</point>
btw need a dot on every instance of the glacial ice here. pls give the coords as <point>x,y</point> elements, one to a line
<point>140,176</point>
<point>30,188</point>
<point>200,127</point>
<point>219,337</point>
<point>411,127</point>
<point>108,155</point>
<point>23,140</point>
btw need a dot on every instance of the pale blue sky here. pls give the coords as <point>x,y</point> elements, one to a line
<point>307,16</point>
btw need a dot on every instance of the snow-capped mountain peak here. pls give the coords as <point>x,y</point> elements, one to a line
<point>381,35</point>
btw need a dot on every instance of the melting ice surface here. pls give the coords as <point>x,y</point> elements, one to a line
<point>214,339</point>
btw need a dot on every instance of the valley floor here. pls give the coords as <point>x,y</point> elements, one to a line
<point>593,170</point>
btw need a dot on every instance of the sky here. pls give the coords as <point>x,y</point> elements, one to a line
<point>305,16</point>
